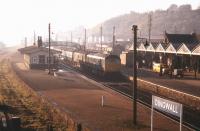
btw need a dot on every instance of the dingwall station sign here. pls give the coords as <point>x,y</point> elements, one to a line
<point>166,106</point>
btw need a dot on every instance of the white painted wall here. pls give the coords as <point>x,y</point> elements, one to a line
<point>34,57</point>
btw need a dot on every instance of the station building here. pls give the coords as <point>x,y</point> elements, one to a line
<point>180,51</point>
<point>37,56</point>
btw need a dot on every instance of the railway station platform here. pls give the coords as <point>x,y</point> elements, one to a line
<point>81,98</point>
<point>188,84</point>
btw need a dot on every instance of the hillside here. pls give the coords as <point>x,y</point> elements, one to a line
<point>175,19</point>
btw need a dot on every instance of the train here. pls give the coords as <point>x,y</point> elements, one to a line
<point>93,61</point>
<point>101,64</point>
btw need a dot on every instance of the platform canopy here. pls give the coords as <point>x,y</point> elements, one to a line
<point>141,47</point>
<point>160,48</point>
<point>196,50</point>
<point>150,48</point>
<point>170,49</point>
<point>183,49</point>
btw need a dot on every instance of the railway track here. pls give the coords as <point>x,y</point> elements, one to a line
<point>191,117</point>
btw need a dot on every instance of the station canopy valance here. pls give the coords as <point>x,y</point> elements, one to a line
<point>177,48</point>
<point>196,50</point>
<point>160,48</point>
<point>170,49</point>
<point>150,48</point>
<point>141,47</point>
<point>183,49</point>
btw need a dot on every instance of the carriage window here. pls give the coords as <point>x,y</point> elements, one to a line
<point>116,61</point>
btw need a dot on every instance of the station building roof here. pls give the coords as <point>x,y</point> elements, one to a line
<point>191,47</point>
<point>97,55</point>
<point>33,49</point>
<point>181,38</point>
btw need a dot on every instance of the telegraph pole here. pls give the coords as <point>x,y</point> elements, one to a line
<point>149,26</point>
<point>134,28</point>
<point>113,38</point>
<point>49,48</point>
<point>101,33</point>
<point>85,41</point>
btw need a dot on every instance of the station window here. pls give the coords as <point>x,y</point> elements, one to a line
<point>41,59</point>
<point>48,59</point>
<point>34,60</point>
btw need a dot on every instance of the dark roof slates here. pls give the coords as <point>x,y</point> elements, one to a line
<point>182,38</point>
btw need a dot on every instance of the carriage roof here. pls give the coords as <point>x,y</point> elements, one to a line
<point>101,56</point>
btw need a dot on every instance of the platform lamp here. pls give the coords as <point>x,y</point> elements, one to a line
<point>134,29</point>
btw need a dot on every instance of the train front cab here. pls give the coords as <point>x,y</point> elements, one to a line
<point>112,65</point>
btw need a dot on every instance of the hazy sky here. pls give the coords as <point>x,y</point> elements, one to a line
<point>19,18</point>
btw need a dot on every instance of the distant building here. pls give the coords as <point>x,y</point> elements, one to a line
<point>37,57</point>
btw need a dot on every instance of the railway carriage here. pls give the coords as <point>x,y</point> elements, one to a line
<point>68,54</point>
<point>78,57</point>
<point>94,62</point>
<point>102,64</point>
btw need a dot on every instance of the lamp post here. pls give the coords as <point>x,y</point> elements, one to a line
<point>160,65</point>
<point>134,29</point>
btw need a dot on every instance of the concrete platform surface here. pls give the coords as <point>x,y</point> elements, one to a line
<point>187,84</point>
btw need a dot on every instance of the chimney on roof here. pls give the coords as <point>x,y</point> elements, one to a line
<point>39,41</point>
